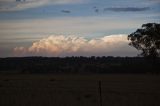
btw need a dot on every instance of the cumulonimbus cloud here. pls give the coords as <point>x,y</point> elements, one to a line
<point>59,45</point>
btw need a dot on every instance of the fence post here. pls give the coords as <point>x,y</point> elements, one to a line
<point>100,92</point>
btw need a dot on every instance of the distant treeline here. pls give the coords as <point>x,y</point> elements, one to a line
<point>82,65</point>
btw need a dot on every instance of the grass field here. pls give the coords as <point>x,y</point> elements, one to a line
<point>79,90</point>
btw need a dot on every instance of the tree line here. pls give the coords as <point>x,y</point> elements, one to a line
<point>79,65</point>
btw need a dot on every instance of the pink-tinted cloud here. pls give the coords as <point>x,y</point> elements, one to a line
<point>59,45</point>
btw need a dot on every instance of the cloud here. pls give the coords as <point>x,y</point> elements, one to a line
<point>60,45</point>
<point>11,5</point>
<point>66,11</point>
<point>126,9</point>
<point>17,5</point>
<point>156,1</point>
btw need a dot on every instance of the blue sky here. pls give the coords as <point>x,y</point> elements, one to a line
<point>28,22</point>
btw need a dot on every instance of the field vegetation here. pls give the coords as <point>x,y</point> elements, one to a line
<point>79,90</point>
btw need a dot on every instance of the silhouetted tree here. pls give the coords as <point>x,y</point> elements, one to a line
<point>147,39</point>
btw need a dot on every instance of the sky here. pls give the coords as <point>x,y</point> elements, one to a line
<point>72,27</point>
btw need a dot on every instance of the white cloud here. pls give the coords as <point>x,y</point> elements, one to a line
<point>13,5</point>
<point>59,45</point>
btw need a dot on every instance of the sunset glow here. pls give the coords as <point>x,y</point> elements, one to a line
<point>72,27</point>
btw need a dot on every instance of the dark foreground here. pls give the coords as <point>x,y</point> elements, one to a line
<point>79,90</point>
<point>79,65</point>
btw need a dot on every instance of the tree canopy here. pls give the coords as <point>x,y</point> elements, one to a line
<point>147,39</point>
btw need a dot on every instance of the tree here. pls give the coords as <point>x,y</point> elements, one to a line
<point>147,39</point>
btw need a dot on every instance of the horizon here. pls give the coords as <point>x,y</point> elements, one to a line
<point>66,28</point>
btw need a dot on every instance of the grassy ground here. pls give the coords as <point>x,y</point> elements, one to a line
<point>79,90</point>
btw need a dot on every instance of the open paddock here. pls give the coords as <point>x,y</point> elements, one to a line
<point>79,90</point>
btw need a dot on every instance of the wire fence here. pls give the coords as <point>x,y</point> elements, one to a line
<point>16,92</point>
